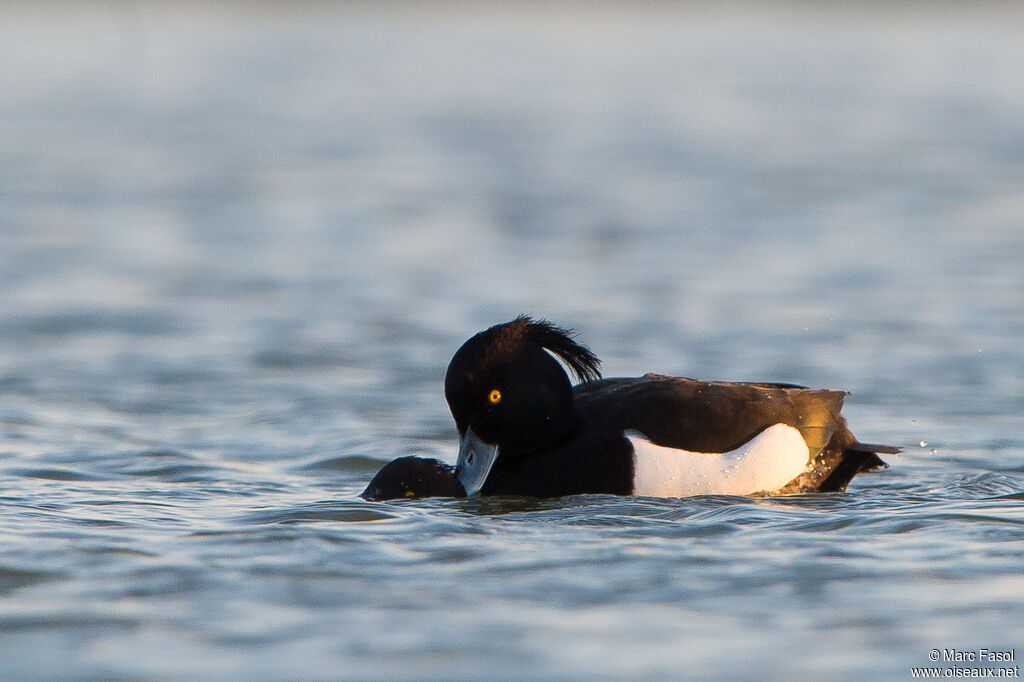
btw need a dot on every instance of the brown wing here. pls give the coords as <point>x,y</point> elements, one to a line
<point>720,416</point>
<point>714,416</point>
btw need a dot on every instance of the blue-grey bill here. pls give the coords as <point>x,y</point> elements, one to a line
<point>475,461</point>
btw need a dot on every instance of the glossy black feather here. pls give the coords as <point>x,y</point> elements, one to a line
<point>583,363</point>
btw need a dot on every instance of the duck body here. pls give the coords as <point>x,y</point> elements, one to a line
<point>691,421</point>
<point>525,430</point>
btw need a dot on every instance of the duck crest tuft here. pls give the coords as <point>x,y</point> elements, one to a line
<point>557,340</point>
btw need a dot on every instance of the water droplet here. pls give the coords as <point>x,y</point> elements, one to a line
<point>933,450</point>
<point>924,444</point>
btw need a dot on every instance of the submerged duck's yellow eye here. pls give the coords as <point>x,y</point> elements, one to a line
<point>494,397</point>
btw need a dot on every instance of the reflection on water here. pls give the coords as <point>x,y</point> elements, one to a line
<point>241,244</point>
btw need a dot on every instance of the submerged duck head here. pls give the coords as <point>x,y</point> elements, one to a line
<point>508,394</point>
<point>413,477</point>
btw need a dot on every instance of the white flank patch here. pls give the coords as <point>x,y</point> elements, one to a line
<point>772,459</point>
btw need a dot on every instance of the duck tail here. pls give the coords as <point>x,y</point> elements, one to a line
<point>868,454</point>
<point>856,457</point>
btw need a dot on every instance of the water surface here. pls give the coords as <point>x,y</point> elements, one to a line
<point>241,243</point>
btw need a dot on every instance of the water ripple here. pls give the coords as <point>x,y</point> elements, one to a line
<point>240,246</point>
<point>316,513</point>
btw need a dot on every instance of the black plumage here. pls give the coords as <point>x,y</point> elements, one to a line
<point>507,392</point>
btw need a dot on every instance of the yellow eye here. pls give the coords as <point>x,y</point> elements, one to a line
<point>494,397</point>
<point>410,493</point>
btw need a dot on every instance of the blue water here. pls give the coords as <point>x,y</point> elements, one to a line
<point>241,242</point>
